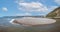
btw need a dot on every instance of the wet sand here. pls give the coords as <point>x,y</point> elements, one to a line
<point>55,27</point>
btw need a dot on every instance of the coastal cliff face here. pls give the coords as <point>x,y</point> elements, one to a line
<point>54,13</point>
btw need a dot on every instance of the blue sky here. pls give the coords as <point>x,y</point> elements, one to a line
<point>27,7</point>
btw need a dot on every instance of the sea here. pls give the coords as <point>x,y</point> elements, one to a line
<point>6,26</point>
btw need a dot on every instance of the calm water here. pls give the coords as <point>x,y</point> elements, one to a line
<point>6,26</point>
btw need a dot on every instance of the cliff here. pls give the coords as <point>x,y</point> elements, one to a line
<point>54,13</point>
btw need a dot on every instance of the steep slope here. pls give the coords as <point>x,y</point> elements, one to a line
<point>54,13</point>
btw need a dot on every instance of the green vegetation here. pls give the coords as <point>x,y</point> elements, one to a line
<point>54,13</point>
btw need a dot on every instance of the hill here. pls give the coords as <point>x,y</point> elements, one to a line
<point>54,13</point>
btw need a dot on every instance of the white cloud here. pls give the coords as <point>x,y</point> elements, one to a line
<point>32,6</point>
<point>57,1</point>
<point>24,14</point>
<point>4,9</point>
<point>51,8</point>
<point>19,1</point>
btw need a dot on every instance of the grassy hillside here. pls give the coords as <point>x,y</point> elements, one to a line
<point>53,13</point>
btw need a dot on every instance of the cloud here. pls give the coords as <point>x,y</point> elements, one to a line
<point>4,9</point>
<point>57,1</point>
<point>51,8</point>
<point>19,1</point>
<point>32,7</point>
<point>23,14</point>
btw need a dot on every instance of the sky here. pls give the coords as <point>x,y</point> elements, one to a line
<point>27,7</point>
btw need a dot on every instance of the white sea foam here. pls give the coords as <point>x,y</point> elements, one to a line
<point>12,21</point>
